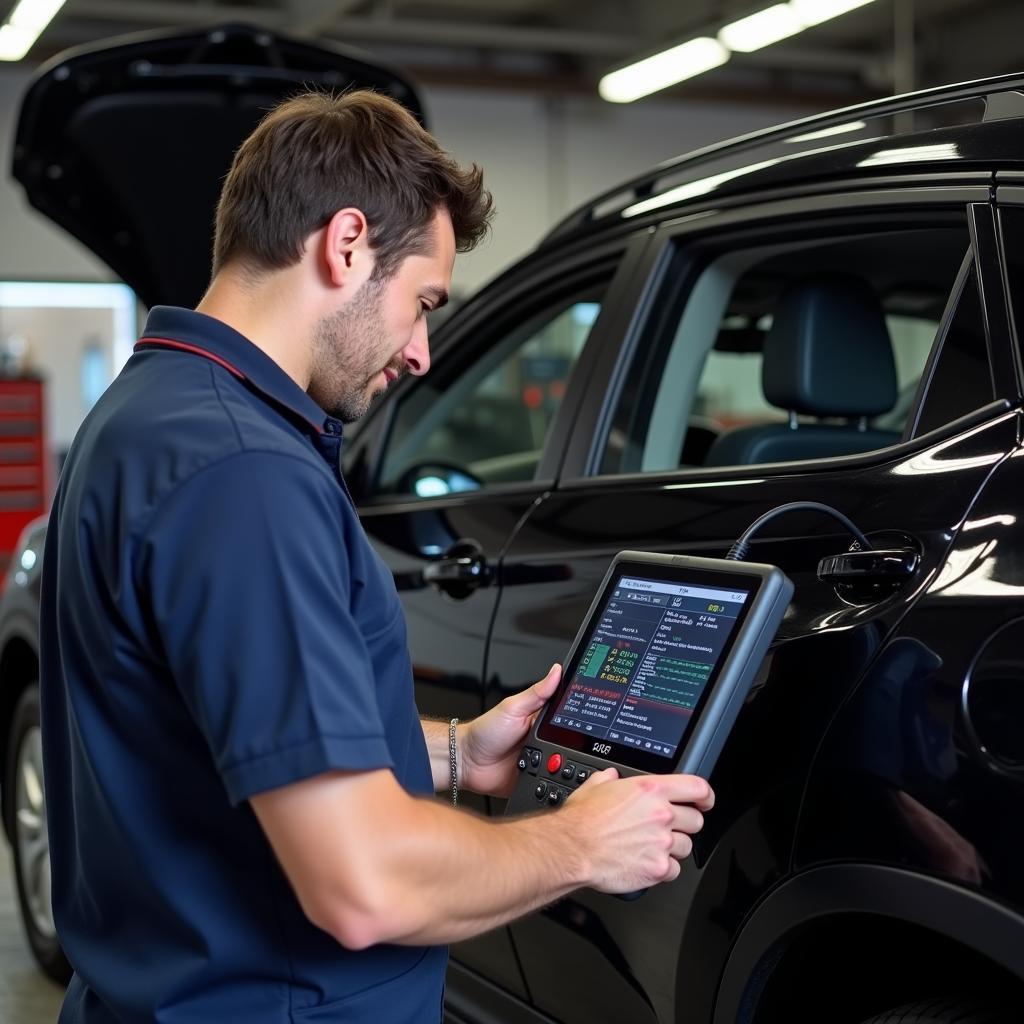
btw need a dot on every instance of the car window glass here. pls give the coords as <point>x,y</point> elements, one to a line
<point>488,424</point>
<point>852,322</point>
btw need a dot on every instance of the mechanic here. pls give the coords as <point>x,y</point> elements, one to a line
<point>236,773</point>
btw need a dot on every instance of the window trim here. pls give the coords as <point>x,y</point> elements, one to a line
<point>726,475</point>
<point>993,296</point>
<point>963,276</point>
<point>1009,195</point>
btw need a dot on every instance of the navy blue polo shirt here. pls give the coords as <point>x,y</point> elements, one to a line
<point>214,624</point>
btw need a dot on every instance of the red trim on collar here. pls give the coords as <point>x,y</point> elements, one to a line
<point>153,342</point>
<point>194,349</point>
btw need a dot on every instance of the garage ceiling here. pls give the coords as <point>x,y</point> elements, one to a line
<point>566,45</point>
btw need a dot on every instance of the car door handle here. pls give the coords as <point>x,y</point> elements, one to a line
<point>866,577</point>
<point>455,570</point>
<point>891,566</point>
<point>461,570</point>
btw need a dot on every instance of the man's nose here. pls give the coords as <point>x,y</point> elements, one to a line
<point>417,352</point>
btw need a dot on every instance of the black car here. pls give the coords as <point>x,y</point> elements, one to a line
<point>821,312</point>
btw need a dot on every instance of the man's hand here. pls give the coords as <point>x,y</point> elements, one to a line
<point>636,831</point>
<point>490,744</point>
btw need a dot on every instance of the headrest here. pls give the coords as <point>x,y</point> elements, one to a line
<point>828,352</point>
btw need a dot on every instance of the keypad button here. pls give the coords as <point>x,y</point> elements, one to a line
<point>555,796</point>
<point>522,764</point>
<point>582,774</point>
<point>541,790</point>
<point>554,763</point>
<point>534,758</point>
<point>569,772</point>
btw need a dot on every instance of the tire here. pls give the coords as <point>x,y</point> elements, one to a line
<point>945,1011</point>
<point>23,782</point>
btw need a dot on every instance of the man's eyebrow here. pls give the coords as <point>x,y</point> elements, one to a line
<point>437,294</point>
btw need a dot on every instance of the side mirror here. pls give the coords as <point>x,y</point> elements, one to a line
<point>436,479</point>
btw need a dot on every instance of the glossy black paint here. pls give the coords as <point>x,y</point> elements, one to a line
<point>825,646</point>
<point>921,767</point>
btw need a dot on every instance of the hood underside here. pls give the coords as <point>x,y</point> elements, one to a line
<point>125,145</point>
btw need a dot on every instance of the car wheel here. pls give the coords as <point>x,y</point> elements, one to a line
<point>944,1011</point>
<point>24,781</point>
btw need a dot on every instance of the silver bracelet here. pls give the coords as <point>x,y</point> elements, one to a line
<point>453,763</point>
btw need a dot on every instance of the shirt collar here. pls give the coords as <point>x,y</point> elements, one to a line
<point>205,336</point>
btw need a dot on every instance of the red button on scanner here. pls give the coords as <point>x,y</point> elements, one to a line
<point>554,763</point>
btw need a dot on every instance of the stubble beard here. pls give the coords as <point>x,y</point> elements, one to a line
<point>347,349</point>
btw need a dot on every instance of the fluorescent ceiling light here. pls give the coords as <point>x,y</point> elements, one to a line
<point>15,42</point>
<point>34,15</point>
<point>761,29</point>
<point>814,12</point>
<point>662,70</point>
<point>824,133</point>
<point>696,56</point>
<point>911,154</point>
<point>24,26</point>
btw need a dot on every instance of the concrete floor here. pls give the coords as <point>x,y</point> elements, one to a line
<point>27,996</point>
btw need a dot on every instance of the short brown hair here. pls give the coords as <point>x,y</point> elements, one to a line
<point>317,153</point>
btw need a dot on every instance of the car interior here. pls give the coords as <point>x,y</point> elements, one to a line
<point>797,351</point>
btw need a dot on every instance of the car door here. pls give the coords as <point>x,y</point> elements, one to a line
<point>446,468</point>
<point>641,473</point>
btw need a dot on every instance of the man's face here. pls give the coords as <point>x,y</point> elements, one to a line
<point>381,332</point>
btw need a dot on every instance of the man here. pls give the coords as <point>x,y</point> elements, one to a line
<point>236,772</point>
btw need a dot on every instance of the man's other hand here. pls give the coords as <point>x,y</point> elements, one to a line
<point>636,831</point>
<point>490,745</point>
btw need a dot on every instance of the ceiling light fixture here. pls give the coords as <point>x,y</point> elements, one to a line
<point>696,56</point>
<point>25,25</point>
<point>761,29</point>
<point>814,12</point>
<point>662,70</point>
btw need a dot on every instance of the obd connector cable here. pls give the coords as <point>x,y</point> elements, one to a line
<point>738,552</point>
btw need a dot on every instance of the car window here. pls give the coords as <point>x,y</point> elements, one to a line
<point>799,350</point>
<point>488,424</point>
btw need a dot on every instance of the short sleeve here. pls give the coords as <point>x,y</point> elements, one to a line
<point>246,574</point>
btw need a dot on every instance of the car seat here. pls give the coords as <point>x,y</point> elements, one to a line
<point>827,354</point>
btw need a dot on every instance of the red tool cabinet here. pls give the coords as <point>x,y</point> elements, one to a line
<point>24,468</point>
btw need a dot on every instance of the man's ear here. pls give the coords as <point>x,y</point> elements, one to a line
<point>347,252</point>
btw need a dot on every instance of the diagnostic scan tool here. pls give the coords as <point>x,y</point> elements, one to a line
<point>656,675</point>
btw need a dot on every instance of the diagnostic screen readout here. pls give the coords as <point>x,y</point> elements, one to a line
<point>646,664</point>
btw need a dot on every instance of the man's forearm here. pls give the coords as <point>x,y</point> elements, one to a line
<point>370,863</point>
<point>455,875</point>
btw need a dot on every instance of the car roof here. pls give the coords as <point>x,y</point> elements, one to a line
<point>970,125</point>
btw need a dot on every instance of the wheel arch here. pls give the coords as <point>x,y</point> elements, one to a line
<point>843,923</point>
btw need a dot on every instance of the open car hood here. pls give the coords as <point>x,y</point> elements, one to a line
<point>125,144</point>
